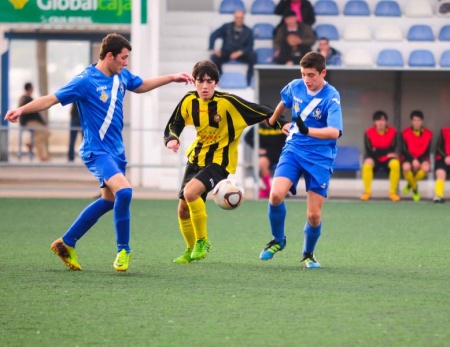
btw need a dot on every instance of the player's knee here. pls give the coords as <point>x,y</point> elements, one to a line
<point>314,218</point>
<point>394,165</point>
<point>276,197</point>
<point>123,196</point>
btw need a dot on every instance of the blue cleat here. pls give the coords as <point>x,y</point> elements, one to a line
<point>271,248</point>
<point>310,262</point>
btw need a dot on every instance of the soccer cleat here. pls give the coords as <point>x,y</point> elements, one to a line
<point>415,195</point>
<point>271,248</point>
<point>66,253</point>
<point>310,262</point>
<point>394,197</point>
<point>438,200</point>
<point>185,258</point>
<point>201,248</point>
<point>122,261</point>
<point>406,190</point>
<point>365,197</point>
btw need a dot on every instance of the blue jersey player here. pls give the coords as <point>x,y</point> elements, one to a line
<point>99,92</point>
<point>310,151</point>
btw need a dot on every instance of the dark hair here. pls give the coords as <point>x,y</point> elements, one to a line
<point>325,39</point>
<point>416,113</point>
<point>113,43</point>
<point>313,60</point>
<point>27,86</point>
<point>205,67</point>
<point>289,13</point>
<point>379,115</point>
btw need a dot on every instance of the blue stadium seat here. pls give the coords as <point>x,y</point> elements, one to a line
<point>445,59</point>
<point>421,58</point>
<point>230,6</point>
<point>444,33</point>
<point>232,80</point>
<point>263,31</point>
<point>356,8</point>
<point>388,8</point>
<point>264,55</point>
<point>347,159</point>
<point>390,57</point>
<point>420,32</point>
<point>326,8</point>
<point>327,30</point>
<point>262,7</point>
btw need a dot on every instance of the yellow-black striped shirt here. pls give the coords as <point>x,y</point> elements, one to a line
<point>219,123</point>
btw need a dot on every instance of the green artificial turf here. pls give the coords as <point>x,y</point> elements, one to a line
<point>384,282</point>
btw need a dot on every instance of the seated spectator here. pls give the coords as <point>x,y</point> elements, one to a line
<point>415,157</point>
<point>304,11</point>
<point>292,26</point>
<point>36,123</point>
<point>442,164</point>
<point>332,56</point>
<point>271,142</point>
<point>291,51</point>
<point>380,143</point>
<point>237,44</point>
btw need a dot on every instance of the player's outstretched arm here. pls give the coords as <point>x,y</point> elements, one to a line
<point>37,105</point>
<point>324,133</point>
<point>279,110</point>
<point>155,82</point>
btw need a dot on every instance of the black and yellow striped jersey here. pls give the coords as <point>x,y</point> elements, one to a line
<point>219,123</point>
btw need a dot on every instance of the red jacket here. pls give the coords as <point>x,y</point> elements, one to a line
<point>443,144</point>
<point>416,146</point>
<point>378,146</point>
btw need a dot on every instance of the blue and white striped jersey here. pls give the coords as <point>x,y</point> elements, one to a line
<point>99,100</point>
<point>318,110</point>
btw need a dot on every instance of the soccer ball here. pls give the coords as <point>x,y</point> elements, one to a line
<point>228,194</point>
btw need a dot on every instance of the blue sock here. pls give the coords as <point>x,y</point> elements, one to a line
<point>312,234</point>
<point>122,218</point>
<point>277,215</point>
<point>87,218</point>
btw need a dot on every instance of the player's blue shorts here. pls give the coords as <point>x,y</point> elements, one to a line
<point>291,166</point>
<point>104,166</point>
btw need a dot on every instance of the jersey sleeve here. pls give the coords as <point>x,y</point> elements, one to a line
<point>251,113</point>
<point>177,121</point>
<point>286,96</point>
<point>133,81</point>
<point>335,113</point>
<point>72,91</point>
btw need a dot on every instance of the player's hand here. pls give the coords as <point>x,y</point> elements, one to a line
<point>276,125</point>
<point>183,77</point>
<point>174,145</point>
<point>301,126</point>
<point>13,115</point>
<point>286,128</point>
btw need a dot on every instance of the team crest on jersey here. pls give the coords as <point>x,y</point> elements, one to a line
<point>103,96</point>
<point>217,118</point>
<point>122,89</point>
<point>317,113</point>
<point>296,108</point>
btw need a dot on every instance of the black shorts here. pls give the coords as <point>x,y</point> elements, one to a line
<point>410,161</point>
<point>382,166</point>
<point>440,164</point>
<point>209,175</point>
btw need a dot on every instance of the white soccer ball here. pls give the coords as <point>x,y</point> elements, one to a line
<point>228,194</point>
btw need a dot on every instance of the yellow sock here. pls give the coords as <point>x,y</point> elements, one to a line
<point>409,177</point>
<point>367,177</point>
<point>197,209</point>
<point>420,175</point>
<point>439,188</point>
<point>187,230</point>
<point>394,175</point>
